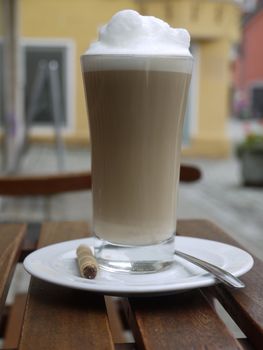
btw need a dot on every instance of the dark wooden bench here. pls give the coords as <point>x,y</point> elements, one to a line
<point>50,184</point>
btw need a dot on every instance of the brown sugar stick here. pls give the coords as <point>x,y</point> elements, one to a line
<point>88,265</point>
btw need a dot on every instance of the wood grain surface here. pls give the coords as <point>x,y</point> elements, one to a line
<point>179,321</point>
<point>15,321</point>
<point>186,321</point>
<point>62,318</point>
<point>245,305</point>
<point>11,238</point>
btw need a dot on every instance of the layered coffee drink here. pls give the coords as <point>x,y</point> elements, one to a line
<point>136,81</point>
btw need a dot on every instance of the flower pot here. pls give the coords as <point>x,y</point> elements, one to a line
<point>252,168</point>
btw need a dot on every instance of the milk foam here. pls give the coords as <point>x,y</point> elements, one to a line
<point>129,33</point>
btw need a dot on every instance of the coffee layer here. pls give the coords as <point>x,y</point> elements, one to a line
<point>136,122</point>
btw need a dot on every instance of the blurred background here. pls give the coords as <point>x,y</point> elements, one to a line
<point>43,121</point>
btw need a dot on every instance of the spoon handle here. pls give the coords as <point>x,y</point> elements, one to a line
<point>220,274</point>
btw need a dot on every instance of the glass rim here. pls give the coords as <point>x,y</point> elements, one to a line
<point>137,55</point>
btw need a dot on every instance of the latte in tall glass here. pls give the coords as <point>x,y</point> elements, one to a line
<point>136,81</point>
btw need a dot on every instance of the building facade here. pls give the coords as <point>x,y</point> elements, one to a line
<point>62,30</point>
<point>248,69</point>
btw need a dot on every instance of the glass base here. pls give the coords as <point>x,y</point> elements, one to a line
<point>135,259</point>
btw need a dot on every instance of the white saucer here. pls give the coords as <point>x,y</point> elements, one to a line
<point>57,264</point>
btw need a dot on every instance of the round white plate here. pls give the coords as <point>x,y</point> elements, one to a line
<point>57,264</point>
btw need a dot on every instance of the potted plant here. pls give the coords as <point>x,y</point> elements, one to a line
<point>250,154</point>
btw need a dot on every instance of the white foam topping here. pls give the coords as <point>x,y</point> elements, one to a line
<point>129,33</point>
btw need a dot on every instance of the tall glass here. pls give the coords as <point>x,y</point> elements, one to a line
<point>136,107</point>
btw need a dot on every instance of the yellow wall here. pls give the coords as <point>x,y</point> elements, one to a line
<point>74,19</point>
<point>203,18</point>
<point>213,25</point>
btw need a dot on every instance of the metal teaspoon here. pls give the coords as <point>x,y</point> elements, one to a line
<point>220,274</point>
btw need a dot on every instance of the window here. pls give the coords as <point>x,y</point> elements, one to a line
<point>42,50</point>
<point>34,55</point>
<point>257,101</point>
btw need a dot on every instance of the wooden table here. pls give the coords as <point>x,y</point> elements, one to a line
<point>63,318</point>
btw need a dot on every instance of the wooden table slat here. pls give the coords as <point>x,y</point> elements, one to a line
<point>180,321</point>
<point>62,318</point>
<point>245,305</point>
<point>11,238</point>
